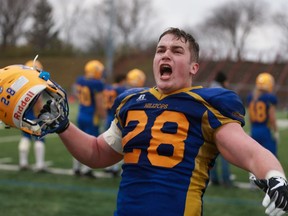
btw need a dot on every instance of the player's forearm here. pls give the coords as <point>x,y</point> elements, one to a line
<point>263,162</point>
<point>78,143</point>
<point>91,151</point>
<point>243,151</point>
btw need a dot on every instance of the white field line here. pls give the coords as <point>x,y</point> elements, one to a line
<point>52,170</point>
<point>282,123</point>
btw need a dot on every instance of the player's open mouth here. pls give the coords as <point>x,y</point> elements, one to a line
<point>165,71</point>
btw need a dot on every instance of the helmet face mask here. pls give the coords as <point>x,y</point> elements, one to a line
<point>265,82</point>
<point>20,88</point>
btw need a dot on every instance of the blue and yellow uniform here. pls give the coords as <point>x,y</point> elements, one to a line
<point>169,147</point>
<point>110,93</point>
<point>259,118</point>
<point>87,89</point>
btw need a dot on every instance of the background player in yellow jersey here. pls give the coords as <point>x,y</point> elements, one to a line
<point>169,137</point>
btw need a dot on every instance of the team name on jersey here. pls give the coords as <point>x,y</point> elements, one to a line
<point>22,104</point>
<point>156,105</point>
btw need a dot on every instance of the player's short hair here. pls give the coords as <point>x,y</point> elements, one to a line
<point>181,34</point>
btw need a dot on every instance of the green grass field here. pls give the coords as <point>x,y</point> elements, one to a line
<point>25,193</point>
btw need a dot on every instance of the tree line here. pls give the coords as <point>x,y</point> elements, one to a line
<point>118,28</point>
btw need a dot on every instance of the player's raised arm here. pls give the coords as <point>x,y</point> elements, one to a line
<point>243,151</point>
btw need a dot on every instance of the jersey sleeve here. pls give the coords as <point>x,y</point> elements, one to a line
<point>273,99</point>
<point>98,86</point>
<point>229,104</point>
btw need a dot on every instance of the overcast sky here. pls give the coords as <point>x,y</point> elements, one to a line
<point>181,13</point>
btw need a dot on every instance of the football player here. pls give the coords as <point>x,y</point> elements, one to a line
<point>262,112</point>
<point>169,136</point>
<point>110,93</point>
<point>92,112</point>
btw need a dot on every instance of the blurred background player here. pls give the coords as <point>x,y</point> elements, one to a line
<point>262,113</point>
<point>110,93</point>
<point>220,81</point>
<point>26,139</point>
<point>91,113</point>
<point>135,78</point>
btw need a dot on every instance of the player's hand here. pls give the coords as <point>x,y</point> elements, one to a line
<point>276,197</point>
<point>54,119</point>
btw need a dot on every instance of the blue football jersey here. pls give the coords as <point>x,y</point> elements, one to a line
<point>87,89</point>
<point>259,119</point>
<point>168,146</point>
<point>110,93</point>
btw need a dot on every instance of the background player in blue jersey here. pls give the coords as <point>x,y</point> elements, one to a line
<point>110,93</point>
<point>91,112</point>
<point>169,137</point>
<point>27,139</point>
<point>262,112</point>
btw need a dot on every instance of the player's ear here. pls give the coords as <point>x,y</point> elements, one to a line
<point>194,67</point>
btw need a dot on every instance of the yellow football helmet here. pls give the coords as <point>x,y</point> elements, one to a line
<point>34,64</point>
<point>265,82</point>
<point>136,78</point>
<point>20,87</point>
<point>94,69</point>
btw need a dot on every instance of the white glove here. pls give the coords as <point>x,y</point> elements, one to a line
<point>276,197</point>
